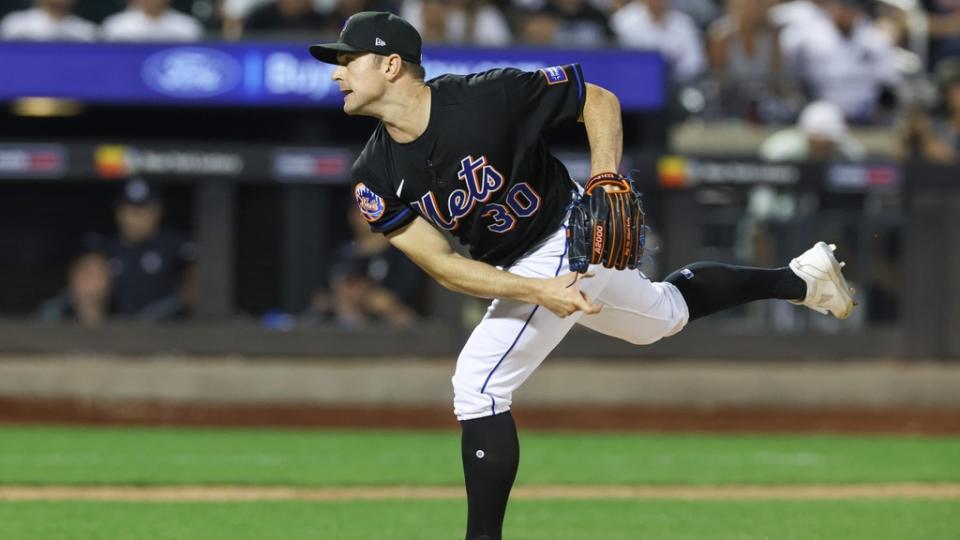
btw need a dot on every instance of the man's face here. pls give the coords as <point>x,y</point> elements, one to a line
<point>658,7</point>
<point>844,14</point>
<point>138,222</point>
<point>748,12</point>
<point>819,148</point>
<point>351,290</point>
<point>90,277</point>
<point>361,81</point>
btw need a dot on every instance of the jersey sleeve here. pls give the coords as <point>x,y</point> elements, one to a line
<point>546,98</point>
<point>379,205</point>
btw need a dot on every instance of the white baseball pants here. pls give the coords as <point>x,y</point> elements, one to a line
<point>514,338</point>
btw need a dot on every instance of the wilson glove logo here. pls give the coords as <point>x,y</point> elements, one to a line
<point>598,239</point>
<point>191,72</point>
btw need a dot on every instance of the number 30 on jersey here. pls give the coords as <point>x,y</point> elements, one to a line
<point>522,201</point>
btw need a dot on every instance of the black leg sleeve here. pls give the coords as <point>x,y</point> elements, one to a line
<point>491,454</point>
<point>709,287</point>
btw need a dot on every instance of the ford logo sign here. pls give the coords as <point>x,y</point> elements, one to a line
<point>191,72</point>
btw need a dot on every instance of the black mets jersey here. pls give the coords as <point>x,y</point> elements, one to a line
<point>481,169</point>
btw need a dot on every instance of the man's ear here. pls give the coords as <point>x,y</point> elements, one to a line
<point>393,66</point>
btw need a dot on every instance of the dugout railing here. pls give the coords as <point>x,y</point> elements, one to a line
<point>696,206</point>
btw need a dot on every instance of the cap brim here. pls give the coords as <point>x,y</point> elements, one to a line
<point>327,52</point>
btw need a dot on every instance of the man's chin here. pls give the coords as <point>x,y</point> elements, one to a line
<point>354,111</point>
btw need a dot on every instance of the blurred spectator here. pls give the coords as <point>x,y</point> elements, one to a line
<point>652,24</point>
<point>538,28</point>
<point>98,10</point>
<point>388,266</point>
<point>151,20</point>
<point>841,57</point>
<point>152,268</point>
<point>744,52</point>
<point>930,28</point>
<point>357,300</point>
<point>233,12</point>
<point>241,8</point>
<point>202,10</point>
<point>703,12</point>
<point>436,20</point>
<point>10,6</point>
<point>336,12</point>
<point>48,20</point>
<point>459,21</point>
<point>87,297</point>
<point>289,15</point>
<point>370,282</point>
<point>943,27</point>
<point>605,6</point>
<point>938,138</point>
<point>486,24</point>
<point>790,14</point>
<point>580,24</point>
<point>820,135</point>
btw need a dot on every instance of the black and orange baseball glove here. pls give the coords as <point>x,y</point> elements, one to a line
<point>606,225</point>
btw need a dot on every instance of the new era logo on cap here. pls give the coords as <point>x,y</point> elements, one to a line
<point>380,43</point>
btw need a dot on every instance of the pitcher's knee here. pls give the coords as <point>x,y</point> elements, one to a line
<point>470,402</point>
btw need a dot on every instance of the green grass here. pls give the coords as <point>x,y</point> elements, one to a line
<point>526,520</point>
<point>52,455</point>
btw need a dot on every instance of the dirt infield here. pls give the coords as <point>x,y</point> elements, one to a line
<point>594,418</point>
<point>247,493</point>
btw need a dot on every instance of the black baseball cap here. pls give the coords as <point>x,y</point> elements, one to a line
<point>378,32</point>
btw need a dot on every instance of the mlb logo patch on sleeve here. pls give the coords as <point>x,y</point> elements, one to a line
<point>555,75</point>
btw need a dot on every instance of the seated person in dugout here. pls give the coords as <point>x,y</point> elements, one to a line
<point>152,268</point>
<point>87,298</point>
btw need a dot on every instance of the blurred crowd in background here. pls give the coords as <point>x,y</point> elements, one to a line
<point>813,68</point>
<point>881,62</point>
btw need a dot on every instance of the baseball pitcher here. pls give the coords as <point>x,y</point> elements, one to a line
<point>465,154</point>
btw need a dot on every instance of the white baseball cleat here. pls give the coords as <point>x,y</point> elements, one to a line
<point>827,291</point>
